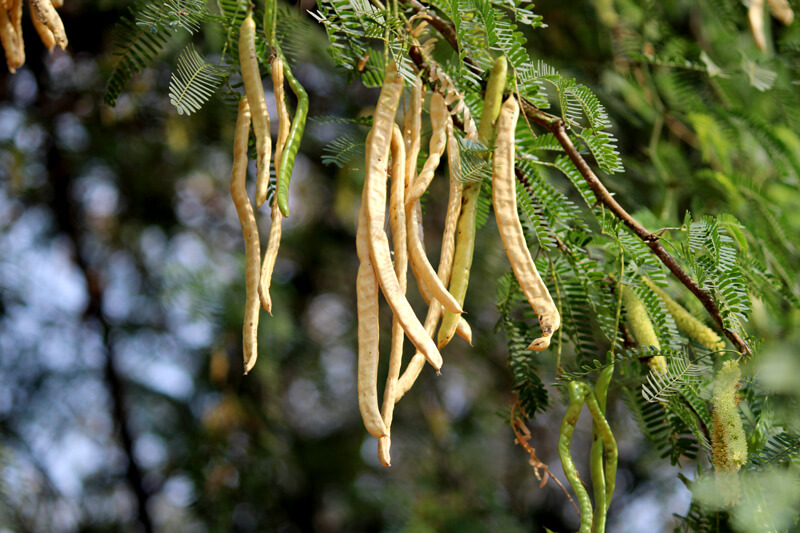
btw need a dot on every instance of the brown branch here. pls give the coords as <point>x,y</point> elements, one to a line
<point>557,127</point>
<point>444,27</point>
<point>651,239</point>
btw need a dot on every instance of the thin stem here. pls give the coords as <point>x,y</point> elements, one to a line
<point>619,305</point>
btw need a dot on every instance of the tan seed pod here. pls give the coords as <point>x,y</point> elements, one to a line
<point>504,198</point>
<point>377,155</point>
<point>368,331</point>
<point>12,44</point>
<point>252,246</point>
<point>439,117</point>
<point>445,263</point>
<point>44,32</point>
<point>782,11</point>
<point>258,105</point>
<point>274,241</point>
<point>421,266</point>
<point>398,225</point>
<point>755,15</point>
<point>47,15</point>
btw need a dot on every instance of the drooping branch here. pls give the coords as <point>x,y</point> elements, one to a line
<point>557,127</point>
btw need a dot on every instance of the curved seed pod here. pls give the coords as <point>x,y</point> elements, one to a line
<point>270,256</point>
<point>12,44</point>
<point>377,154</point>
<point>439,118</point>
<point>44,32</point>
<point>274,241</point>
<point>46,14</point>
<point>398,223</point>
<point>602,491</point>
<point>755,15</point>
<point>641,327</point>
<point>504,197</point>
<point>445,263</point>
<point>293,143</point>
<point>15,15</point>
<point>463,328</point>
<point>576,397</point>
<point>252,247</point>
<point>421,266</point>
<point>258,106</point>
<point>412,123</point>
<point>782,11</point>
<point>465,233</point>
<point>609,444</point>
<point>368,331</point>
<point>688,323</point>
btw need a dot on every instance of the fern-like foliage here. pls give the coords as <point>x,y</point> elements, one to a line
<point>662,426</point>
<point>193,82</point>
<point>711,258</point>
<point>528,385</point>
<point>344,149</point>
<point>779,449</point>
<point>564,164</point>
<point>141,36</point>
<point>174,14</point>
<point>476,164</point>
<point>680,373</point>
<point>352,26</point>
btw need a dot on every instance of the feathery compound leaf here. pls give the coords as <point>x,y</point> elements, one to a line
<point>174,14</point>
<point>527,142</point>
<point>534,216</point>
<point>561,212</point>
<point>344,149</point>
<point>294,33</point>
<point>680,373</point>
<point>511,43</point>
<point>141,38</point>
<point>193,82</point>
<point>581,99</point>
<point>475,162</point>
<point>137,46</point>
<point>484,205</point>
<point>527,384</point>
<point>603,148</point>
<point>712,259</point>
<point>330,119</point>
<point>779,449</point>
<point>566,166</point>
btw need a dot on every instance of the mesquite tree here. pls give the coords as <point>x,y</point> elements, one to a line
<point>656,290</point>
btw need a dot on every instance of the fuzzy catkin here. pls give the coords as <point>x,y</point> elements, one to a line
<point>728,438</point>
<point>729,444</point>
<point>688,323</point>
<point>641,327</point>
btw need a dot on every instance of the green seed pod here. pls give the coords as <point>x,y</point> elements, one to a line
<point>688,323</point>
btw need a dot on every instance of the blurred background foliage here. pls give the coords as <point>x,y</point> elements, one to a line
<point>122,401</point>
